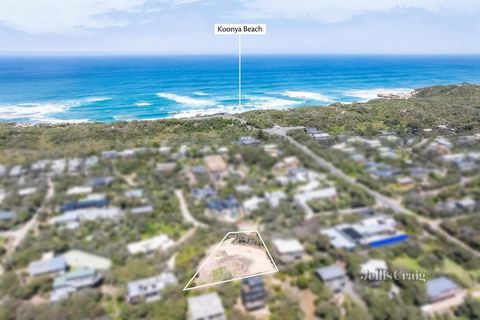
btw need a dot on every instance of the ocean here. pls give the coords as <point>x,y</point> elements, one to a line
<point>113,88</point>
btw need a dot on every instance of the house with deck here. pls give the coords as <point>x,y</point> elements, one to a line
<point>149,289</point>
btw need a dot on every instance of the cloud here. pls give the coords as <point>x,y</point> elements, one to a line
<point>331,11</point>
<point>69,16</point>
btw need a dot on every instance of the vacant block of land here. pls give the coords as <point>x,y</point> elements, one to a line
<point>239,255</point>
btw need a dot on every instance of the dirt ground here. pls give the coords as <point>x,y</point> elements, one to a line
<point>234,261</point>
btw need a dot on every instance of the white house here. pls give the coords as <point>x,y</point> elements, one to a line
<point>289,250</point>
<point>162,242</point>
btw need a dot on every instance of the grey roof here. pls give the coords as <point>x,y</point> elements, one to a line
<point>204,306</point>
<point>150,285</point>
<point>70,277</point>
<point>288,246</point>
<point>331,272</point>
<point>252,281</point>
<point>142,210</point>
<point>47,266</point>
<point>439,286</point>
<point>7,215</point>
<point>337,239</point>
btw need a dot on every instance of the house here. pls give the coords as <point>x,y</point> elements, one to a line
<point>252,204</point>
<point>79,190</point>
<point>442,127</point>
<point>141,210</point>
<point>165,167</point>
<point>289,250</point>
<point>387,153</point>
<point>183,149</point>
<point>222,150</point>
<point>47,266</point>
<point>467,204</point>
<point>274,197</point>
<point>164,150</point>
<point>468,140</point>
<point>216,167</point>
<point>405,183</point>
<point>419,172</point>
<point>333,276</point>
<point>357,157</point>
<point>206,307</point>
<point>338,239</point>
<point>57,166</point>
<point>198,171</point>
<point>440,146</point>
<point>39,165</point>
<point>229,208</point>
<point>253,293</point>
<point>467,166</point>
<point>248,141</point>
<point>101,181</point>
<point>243,188</point>
<point>441,288</point>
<point>7,216</point>
<point>110,154</point>
<point>374,271</point>
<point>91,201</point>
<point>329,193</point>
<point>78,259</point>
<point>381,170</point>
<point>90,162</point>
<point>16,171</point>
<point>71,282</point>
<point>317,135</point>
<point>26,191</point>
<point>71,219</point>
<point>162,242</point>
<point>134,193</point>
<point>204,193</point>
<point>303,175</point>
<point>74,165</point>
<point>128,153</point>
<point>149,289</point>
<point>374,232</point>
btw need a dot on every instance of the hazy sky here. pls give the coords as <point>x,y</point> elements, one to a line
<point>294,26</point>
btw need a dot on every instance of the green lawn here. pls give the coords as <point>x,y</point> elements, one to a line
<point>407,263</point>
<point>467,277</point>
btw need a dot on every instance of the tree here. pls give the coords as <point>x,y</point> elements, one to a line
<point>470,309</point>
<point>327,310</point>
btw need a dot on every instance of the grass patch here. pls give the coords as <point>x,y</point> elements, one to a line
<point>407,263</point>
<point>153,229</point>
<point>468,278</point>
<point>221,274</point>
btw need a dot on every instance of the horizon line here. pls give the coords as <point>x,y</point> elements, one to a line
<point>160,54</point>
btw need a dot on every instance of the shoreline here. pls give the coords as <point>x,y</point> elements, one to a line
<point>382,94</point>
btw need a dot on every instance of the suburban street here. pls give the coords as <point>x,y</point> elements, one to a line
<point>381,199</point>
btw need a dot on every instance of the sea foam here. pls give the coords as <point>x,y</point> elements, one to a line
<point>185,100</point>
<point>142,104</point>
<point>43,111</point>
<point>307,95</point>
